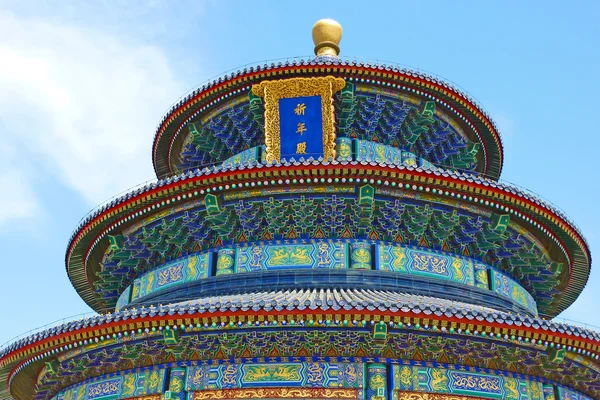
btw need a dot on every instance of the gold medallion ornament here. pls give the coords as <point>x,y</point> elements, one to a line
<point>327,35</point>
<point>273,91</point>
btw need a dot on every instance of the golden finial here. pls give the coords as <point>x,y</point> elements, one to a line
<point>327,35</point>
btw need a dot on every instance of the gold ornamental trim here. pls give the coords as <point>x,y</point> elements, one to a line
<point>276,393</point>
<point>431,396</point>
<point>272,91</point>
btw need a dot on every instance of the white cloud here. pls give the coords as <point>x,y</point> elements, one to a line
<point>83,102</point>
<point>19,201</point>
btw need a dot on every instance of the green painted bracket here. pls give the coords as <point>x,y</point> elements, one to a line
<point>171,336</point>
<point>555,355</point>
<point>116,241</point>
<point>500,222</point>
<point>211,202</point>
<point>52,367</point>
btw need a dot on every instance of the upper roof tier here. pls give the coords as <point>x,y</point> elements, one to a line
<point>388,104</point>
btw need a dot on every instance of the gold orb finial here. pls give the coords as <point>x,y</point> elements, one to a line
<point>327,35</point>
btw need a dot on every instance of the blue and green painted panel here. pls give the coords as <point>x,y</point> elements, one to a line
<point>343,149</point>
<point>423,163</point>
<point>481,276</point>
<point>377,381</point>
<point>310,255</point>
<point>377,152</point>
<point>243,158</point>
<point>360,255</point>
<point>309,374</point>
<point>124,298</point>
<point>128,385</point>
<point>568,394</point>
<point>507,287</point>
<point>431,263</point>
<point>549,392</point>
<point>177,379</point>
<point>191,268</point>
<point>225,261</point>
<point>409,159</point>
<point>446,381</point>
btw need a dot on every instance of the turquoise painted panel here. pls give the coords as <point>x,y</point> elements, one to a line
<point>191,268</point>
<point>377,381</point>
<point>311,255</point>
<point>407,378</point>
<point>568,394</point>
<point>549,392</point>
<point>481,276</point>
<point>435,264</point>
<point>177,380</point>
<point>124,298</point>
<point>360,255</point>
<point>507,287</point>
<point>309,374</point>
<point>343,149</point>
<point>243,158</point>
<point>128,385</point>
<point>377,152</point>
<point>409,159</point>
<point>226,262</point>
<point>423,163</point>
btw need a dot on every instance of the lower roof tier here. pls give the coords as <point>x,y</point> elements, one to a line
<point>266,329</point>
<point>489,222</point>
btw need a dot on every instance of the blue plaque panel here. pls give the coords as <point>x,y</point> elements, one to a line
<point>301,127</point>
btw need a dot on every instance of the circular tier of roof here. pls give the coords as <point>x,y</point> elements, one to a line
<point>549,227</point>
<point>520,344</point>
<point>396,91</point>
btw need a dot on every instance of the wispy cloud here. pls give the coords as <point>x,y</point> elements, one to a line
<point>83,103</point>
<point>18,200</point>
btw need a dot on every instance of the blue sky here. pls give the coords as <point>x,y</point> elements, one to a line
<point>83,85</point>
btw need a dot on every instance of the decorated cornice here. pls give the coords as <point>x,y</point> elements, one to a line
<point>298,309</point>
<point>217,92</point>
<point>532,212</point>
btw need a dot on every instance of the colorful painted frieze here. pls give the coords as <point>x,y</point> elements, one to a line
<point>244,158</point>
<point>568,394</point>
<point>309,374</point>
<point>409,159</point>
<point>481,276</point>
<point>507,287</point>
<point>439,380</point>
<point>124,298</point>
<point>125,386</point>
<point>188,269</point>
<point>344,149</point>
<point>177,379</point>
<point>360,255</point>
<point>431,263</point>
<point>377,152</point>
<point>549,392</point>
<point>225,262</point>
<point>310,255</point>
<point>376,382</point>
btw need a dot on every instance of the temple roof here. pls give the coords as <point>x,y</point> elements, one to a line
<point>317,300</point>
<point>381,101</point>
<point>559,233</point>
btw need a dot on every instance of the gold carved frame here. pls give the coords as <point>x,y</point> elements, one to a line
<point>272,91</point>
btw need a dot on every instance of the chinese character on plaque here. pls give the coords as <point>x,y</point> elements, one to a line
<point>299,119</point>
